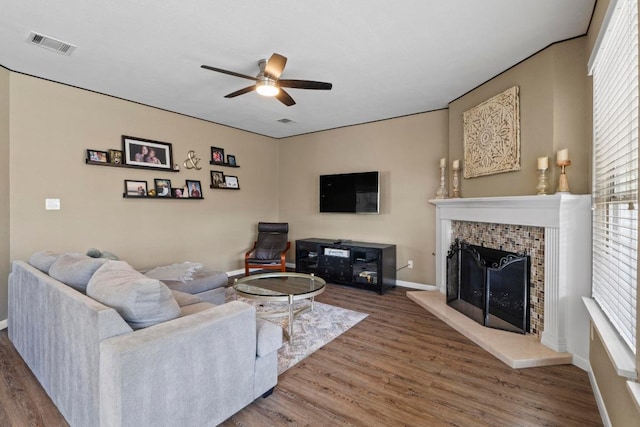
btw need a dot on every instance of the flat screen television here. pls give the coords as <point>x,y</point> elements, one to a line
<point>350,193</point>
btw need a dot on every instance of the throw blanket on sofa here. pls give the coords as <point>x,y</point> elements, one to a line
<point>181,272</point>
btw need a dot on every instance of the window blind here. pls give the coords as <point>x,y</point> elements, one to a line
<point>614,67</point>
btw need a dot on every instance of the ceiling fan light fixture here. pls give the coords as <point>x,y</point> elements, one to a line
<point>267,87</point>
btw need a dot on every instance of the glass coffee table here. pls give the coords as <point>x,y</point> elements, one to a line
<point>286,287</point>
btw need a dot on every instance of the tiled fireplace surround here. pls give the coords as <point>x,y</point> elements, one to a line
<point>555,230</point>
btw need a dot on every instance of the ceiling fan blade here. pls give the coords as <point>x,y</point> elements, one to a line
<point>275,66</point>
<point>305,84</point>
<point>231,73</point>
<point>241,91</point>
<point>285,98</point>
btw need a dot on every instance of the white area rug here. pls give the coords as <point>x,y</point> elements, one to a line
<point>311,329</point>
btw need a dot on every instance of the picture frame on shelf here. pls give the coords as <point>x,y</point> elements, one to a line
<point>194,189</point>
<point>163,187</point>
<point>231,160</point>
<point>135,188</point>
<point>147,153</point>
<point>217,179</point>
<point>217,155</point>
<point>97,156</point>
<point>176,193</point>
<point>115,157</point>
<point>231,182</point>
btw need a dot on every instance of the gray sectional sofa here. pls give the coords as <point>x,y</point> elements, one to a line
<point>189,363</point>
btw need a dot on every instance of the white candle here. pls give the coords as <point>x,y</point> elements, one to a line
<point>443,162</point>
<point>456,164</point>
<point>543,163</point>
<point>563,155</point>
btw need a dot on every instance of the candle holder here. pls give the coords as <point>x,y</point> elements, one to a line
<point>563,182</point>
<point>543,182</point>
<point>442,192</point>
<point>456,183</point>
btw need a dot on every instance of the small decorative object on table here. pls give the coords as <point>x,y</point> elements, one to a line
<point>442,192</point>
<point>456,179</point>
<point>543,184</point>
<point>562,159</point>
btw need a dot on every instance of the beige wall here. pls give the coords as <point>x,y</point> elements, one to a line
<point>4,188</point>
<point>52,125</point>
<point>553,115</point>
<point>405,151</point>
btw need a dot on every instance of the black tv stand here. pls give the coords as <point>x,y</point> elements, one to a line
<point>360,264</point>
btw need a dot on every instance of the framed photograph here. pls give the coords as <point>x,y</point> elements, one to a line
<point>147,153</point>
<point>217,155</point>
<point>163,187</point>
<point>231,159</point>
<point>176,193</point>
<point>135,188</point>
<point>115,157</point>
<point>97,156</point>
<point>231,182</point>
<point>195,189</point>
<point>217,179</point>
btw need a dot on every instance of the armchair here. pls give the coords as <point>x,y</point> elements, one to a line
<point>269,250</point>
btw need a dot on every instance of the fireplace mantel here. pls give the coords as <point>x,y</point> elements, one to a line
<point>566,219</point>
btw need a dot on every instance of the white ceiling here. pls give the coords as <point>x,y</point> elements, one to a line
<point>385,58</point>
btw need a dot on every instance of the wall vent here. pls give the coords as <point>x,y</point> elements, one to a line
<point>51,43</point>
<point>285,121</point>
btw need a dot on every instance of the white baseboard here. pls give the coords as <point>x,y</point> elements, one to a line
<point>3,324</point>
<point>413,285</point>
<point>581,363</point>
<point>599,400</point>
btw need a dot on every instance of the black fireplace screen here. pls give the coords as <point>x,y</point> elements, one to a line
<point>490,286</point>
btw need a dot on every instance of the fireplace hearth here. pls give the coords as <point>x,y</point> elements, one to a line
<point>490,286</point>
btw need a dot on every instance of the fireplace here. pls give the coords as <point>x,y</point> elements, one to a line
<point>491,286</point>
<point>560,256</point>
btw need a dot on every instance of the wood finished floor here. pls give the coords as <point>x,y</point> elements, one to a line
<point>401,366</point>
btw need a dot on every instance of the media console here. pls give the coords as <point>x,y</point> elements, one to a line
<point>360,264</point>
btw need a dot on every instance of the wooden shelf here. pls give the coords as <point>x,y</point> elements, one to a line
<point>223,188</point>
<point>116,165</point>
<point>124,195</point>
<point>226,165</point>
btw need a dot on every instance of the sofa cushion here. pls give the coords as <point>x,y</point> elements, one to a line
<point>269,337</point>
<point>43,260</point>
<point>75,269</point>
<point>184,299</point>
<point>140,300</point>
<point>201,280</point>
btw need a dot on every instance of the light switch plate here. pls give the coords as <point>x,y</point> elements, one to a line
<point>52,204</point>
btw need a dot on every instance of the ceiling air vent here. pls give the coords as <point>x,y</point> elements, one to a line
<point>51,43</point>
<point>285,121</point>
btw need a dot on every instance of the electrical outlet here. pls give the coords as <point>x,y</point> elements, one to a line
<point>410,263</point>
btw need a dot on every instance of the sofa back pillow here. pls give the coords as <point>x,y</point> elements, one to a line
<point>42,260</point>
<point>140,300</point>
<point>75,269</point>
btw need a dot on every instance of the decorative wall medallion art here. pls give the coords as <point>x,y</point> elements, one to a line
<point>492,135</point>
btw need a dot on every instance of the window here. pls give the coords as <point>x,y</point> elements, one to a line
<point>614,66</point>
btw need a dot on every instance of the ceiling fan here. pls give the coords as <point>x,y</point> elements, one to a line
<point>268,81</point>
